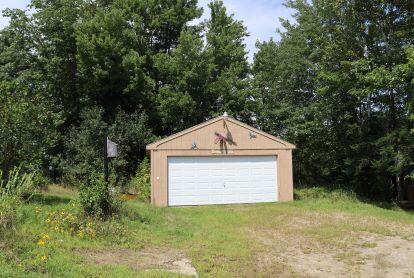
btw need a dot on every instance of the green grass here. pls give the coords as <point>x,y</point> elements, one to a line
<point>221,241</point>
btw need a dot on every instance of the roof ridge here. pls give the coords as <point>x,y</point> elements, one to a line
<point>183,132</point>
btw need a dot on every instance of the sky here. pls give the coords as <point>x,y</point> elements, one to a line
<point>12,4</point>
<point>261,17</point>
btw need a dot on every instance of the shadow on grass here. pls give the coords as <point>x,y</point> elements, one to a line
<point>49,199</point>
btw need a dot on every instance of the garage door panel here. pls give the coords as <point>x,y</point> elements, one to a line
<point>221,180</point>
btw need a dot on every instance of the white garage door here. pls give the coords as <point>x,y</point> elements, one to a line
<point>221,180</point>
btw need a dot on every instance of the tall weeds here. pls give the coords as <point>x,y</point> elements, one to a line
<point>16,184</point>
<point>14,187</point>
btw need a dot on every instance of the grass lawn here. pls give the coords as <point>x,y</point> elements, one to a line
<point>330,236</point>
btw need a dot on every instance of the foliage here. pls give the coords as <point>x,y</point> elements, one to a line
<point>27,125</point>
<point>141,183</point>
<point>69,221</point>
<point>26,131</point>
<point>337,194</point>
<point>338,84</point>
<point>14,187</point>
<point>226,51</point>
<point>132,133</point>
<point>96,199</point>
<point>134,69</point>
<point>84,146</point>
<point>343,93</point>
<point>16,184</point>
<point>40,181</point>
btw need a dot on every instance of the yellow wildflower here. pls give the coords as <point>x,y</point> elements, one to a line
<point>80,233</point>
<point>41,242</point>
<point>43,258</point>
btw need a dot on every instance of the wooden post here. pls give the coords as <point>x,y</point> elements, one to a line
<point>106,161</point>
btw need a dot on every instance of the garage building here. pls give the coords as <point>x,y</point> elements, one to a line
<point>221,161</point>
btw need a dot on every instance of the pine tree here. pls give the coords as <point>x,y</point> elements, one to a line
<point>228,83</point>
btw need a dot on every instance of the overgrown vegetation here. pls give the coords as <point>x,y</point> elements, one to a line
<point>16,184</point>
<point>324,193</point>
<point>96,198</point>
<point>338,84</point>
<point>15,187</point>
<point>50,235</point>
<point>343,93</point>
<point>140,184</point>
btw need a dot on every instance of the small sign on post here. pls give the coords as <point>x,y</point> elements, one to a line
<point>112,148</point>
<point>110,151</point>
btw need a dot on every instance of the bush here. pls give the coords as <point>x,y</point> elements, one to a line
<point>132,133</point>
<point>83,147</point>
<point>96,198</point>
<point>16,184</point>
<point>141,182</point>
<point>40,181</point>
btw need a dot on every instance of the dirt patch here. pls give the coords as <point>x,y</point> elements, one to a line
<point>334,250</point>
<point>386,256</point>
<point>166,259</point>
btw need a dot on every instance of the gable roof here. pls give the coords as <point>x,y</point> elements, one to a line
<point>156,144</point>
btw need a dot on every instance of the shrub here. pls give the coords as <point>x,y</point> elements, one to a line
<point>141,183</point>
<point>132,133</point>
<point>40,181</point>
<point>96,198</point>
<point>83,147</point>
<point>16,184</point>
